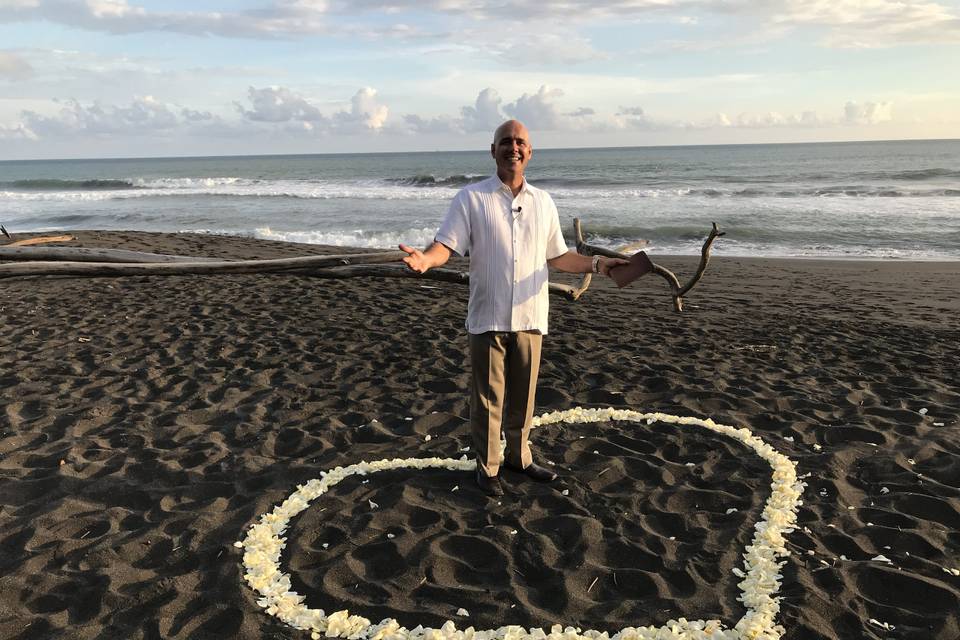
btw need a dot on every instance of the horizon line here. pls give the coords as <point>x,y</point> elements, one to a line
<point>380,153</point>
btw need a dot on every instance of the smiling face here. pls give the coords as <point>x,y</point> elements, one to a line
<point>511,149</point>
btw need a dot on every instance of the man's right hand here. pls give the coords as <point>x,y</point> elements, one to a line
<point>415,260</point>
<point>436,255</point>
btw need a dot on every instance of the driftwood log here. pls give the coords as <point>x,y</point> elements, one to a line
<point>443,275</point>
<point>73,268</point>
<point>677,291</point>
<point>22,253</point>
<point>75,261</point>
<point>39,240</point>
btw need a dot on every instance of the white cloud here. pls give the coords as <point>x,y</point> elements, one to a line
<point>143,116</point>
<point>558,46</point>
<point>412,123</point>
<point>279,104</point>
<point>548,26</point>
<point>14,67</point>
<point>810,119</point>
<point>538,110</point>
<point>542,111</point>
<point>112,9</point>
<point>485,114</point>
<point>282,18</point>
<point>366,113</point>
<point>271,110</point>
<point>874,23</point>
<point>767,120</point>
<point>279,111</point>
<point>519,9</point>
<point>16,132</point>
<point>867,112</point>
<point>111,78</point>
<point>196,116</point>
<point>634,118</point>
<point>597,90</point>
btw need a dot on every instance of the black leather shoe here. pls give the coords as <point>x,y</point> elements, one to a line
<point>536,472</point>
<point>490,485</point>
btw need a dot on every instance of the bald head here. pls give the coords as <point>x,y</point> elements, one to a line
<point>511,149</point>
<point>509,127</point>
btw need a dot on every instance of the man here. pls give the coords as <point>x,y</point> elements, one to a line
<point>511,231</point>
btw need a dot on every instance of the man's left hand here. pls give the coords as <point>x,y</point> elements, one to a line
<point>609,263</point>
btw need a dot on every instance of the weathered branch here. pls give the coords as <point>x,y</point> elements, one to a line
<point>185,268</point>
<point>437,274</point>
<point>576,292</point>
<point>589,249</point>
<point>386,271</point>
<point>704,259</point>
<point>74,261</point>
<point>588,276</point>
<point>26,242</point>
<point>82,254</point>
<point>675,288</point>
<point>114,262</point>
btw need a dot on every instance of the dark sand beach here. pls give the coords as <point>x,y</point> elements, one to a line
<point>148,421</point>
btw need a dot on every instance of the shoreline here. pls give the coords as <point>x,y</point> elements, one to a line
<point>149,420</point>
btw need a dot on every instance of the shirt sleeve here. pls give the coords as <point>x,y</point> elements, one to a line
<point>556,245</point>
<point>454,232</point>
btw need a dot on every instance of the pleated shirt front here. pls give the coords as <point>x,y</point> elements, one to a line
<point>509,240</point>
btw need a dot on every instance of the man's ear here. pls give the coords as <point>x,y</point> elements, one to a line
<point>493,153</point>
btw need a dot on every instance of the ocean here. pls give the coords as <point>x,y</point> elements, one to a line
<point>833,200</point>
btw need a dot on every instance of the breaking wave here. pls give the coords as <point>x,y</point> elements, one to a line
<point>48,184</point>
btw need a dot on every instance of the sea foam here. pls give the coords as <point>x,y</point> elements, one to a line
<point>357,238</point>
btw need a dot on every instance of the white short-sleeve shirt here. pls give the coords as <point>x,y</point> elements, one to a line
<point>509,240</point>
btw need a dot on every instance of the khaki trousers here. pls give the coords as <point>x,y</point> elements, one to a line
<point>504,368</point>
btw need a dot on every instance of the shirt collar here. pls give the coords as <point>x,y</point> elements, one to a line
<point>504,187</point>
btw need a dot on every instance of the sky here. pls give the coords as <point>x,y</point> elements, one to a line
<point>119,78</point>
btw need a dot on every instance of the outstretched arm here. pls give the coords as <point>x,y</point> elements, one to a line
<point>573,262</point>
<point>436,255</point>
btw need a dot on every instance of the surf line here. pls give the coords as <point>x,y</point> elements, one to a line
<point>759,584</point>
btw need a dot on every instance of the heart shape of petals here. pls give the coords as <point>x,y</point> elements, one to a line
<point>759,578</point>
